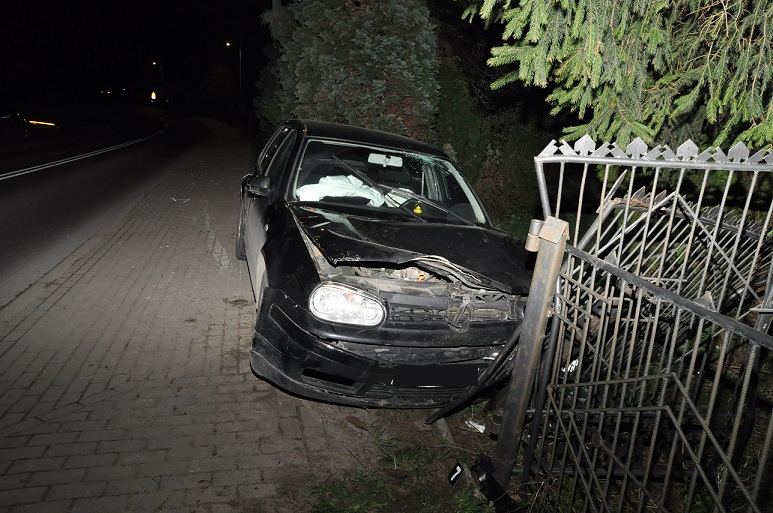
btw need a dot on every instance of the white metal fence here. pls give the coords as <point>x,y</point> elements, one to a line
<point>651,388</point>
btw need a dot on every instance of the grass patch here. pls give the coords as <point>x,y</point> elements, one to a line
<point>409,476</point>
<point>358,494</point>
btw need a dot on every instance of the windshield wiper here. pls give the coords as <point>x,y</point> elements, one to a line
<point>422,199</point>
<point>359,174</point>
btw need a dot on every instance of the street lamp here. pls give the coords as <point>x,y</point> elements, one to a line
<point>228,44</point>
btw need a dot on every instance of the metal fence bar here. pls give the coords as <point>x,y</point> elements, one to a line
<point>552,240</point>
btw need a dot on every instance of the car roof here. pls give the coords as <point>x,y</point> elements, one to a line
<point>336,131</point>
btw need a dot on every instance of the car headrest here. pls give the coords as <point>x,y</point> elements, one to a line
<point>393,176</point>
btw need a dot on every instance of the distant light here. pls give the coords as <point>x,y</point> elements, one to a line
<point>227,43</point>
<point>153,96</point>
<point>45,123</point>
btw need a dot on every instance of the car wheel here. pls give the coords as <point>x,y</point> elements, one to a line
<point>241,250</point>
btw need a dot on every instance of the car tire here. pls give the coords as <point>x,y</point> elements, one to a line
<point>241,250</point>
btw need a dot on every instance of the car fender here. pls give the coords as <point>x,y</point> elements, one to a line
<point>255,209</point>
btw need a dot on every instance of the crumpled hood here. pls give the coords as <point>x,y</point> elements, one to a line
<point>479,257</point>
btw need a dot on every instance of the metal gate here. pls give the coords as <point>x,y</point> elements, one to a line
<point>644,382</point>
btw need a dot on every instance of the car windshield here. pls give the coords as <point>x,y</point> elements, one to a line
<point>420,186</point>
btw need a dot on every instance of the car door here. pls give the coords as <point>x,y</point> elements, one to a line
<point>261,189</point>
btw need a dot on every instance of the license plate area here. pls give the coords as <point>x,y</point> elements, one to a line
<point>435,375</point>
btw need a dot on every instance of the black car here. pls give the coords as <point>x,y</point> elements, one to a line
<point>379,278</point>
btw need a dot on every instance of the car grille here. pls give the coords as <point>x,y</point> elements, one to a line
<point>462,309</point>
<point>434,395</point>
<point>403,354</point>
<point>383,394</point>
<point>402,313</point>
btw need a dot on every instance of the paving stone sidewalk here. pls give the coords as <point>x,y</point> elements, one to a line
<point>124,374</point>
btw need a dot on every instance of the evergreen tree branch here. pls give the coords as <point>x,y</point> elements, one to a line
<point>700,66</point>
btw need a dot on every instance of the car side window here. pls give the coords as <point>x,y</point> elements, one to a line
<point>279,160</point>
<point>270,150</point>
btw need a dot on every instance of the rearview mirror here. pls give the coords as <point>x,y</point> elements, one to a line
<point>385,160</point>
<point>258,185</point>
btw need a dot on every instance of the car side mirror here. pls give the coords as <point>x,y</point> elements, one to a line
<point>258,185</point>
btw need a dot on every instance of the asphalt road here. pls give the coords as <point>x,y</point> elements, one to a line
<point>63,188</point>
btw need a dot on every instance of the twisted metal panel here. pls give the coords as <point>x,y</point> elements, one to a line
<point>655,391</point>
<point>650,400</point>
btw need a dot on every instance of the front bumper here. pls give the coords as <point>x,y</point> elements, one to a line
<point>397,366</point>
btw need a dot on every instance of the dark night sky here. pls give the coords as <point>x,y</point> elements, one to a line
<point>54,52</point>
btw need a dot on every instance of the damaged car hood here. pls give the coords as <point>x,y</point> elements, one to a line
<point>477,256</point>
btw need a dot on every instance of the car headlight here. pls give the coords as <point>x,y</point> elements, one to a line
<point>339,303</point>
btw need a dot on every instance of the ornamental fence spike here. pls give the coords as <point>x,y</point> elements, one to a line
<point>757,157</point>
<point>738,153</point>
<point>704,156</point>
<point>602,151</point>
<point>636,148</point>
<point>618,152</point>
<point>566,149</point>
<point>584,145</point>
<point>720,157</point>
<point>550,149</point>
<point>687,150</point>
<point>668,154</point>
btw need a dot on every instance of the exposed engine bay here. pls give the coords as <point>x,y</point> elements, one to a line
<point>415,294</point>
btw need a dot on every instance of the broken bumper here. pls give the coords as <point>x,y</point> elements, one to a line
<point>305,356</point>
